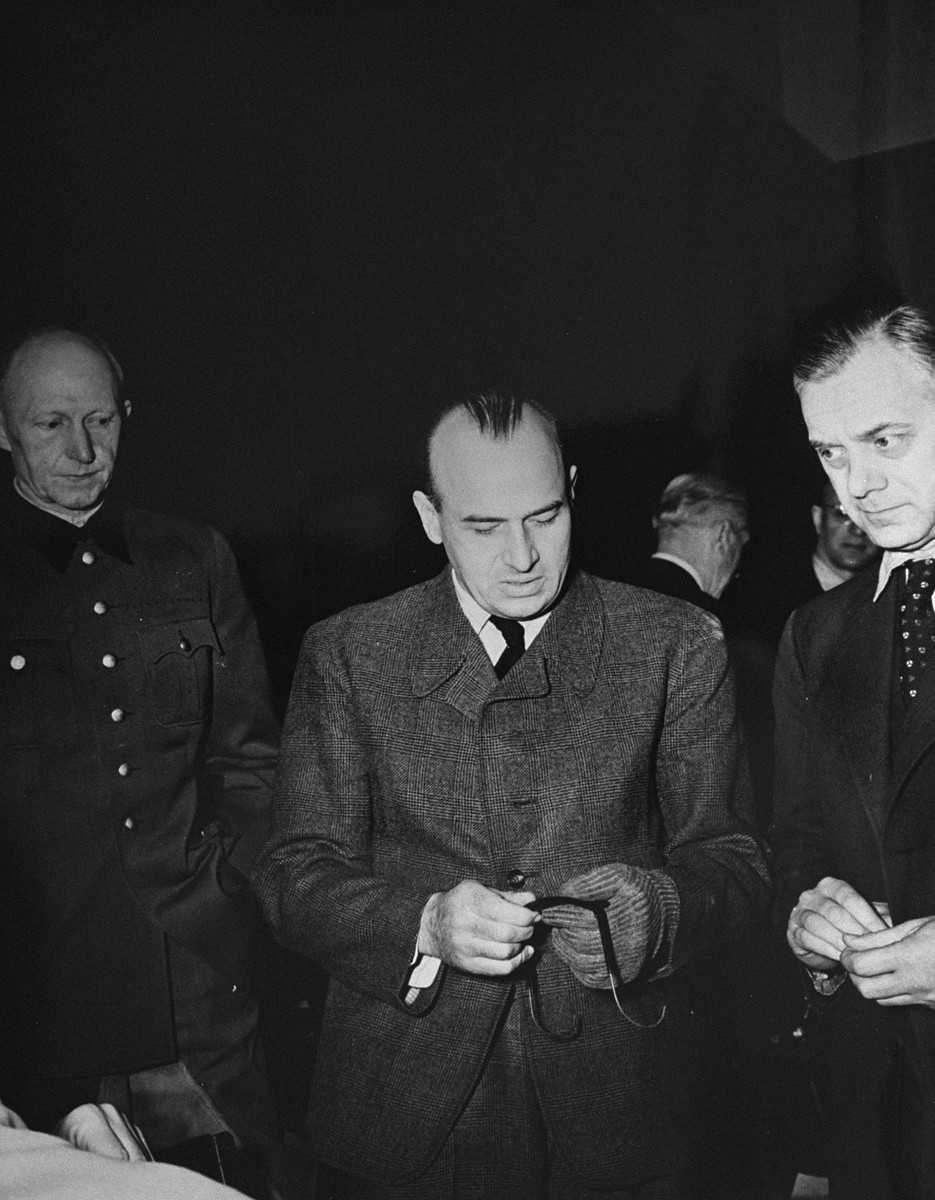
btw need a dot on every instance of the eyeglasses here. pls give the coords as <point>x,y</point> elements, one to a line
<point>837,512</point>
<point>599,909</point>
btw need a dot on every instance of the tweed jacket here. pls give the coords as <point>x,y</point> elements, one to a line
<point>853,795</point>
<point>137,752</point>
<point>407,767</point>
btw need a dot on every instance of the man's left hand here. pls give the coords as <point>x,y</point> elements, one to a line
<point>894,966</point>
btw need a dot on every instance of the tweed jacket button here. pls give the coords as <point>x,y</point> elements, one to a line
<point>17,662</point>
<point>516,879</point>
<point>88,558</point>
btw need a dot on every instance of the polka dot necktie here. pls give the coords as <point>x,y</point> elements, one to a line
<point>916,626</point>
<point>515,644</point>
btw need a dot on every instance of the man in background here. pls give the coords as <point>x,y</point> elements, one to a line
<point>137,750</point>
<point>702,526</point>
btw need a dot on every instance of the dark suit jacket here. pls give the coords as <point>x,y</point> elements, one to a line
<point>407,768</point>
<point>855,802</point>
<point>137,751</point>
<point>670,579</point>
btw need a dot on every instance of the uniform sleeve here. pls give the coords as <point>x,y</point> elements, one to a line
<point>315,878</point>
<point>236,774</point>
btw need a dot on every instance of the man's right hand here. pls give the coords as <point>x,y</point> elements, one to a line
<point>821,918</point>
<point>478,929</point>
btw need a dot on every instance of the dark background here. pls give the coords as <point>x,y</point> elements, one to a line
<point>299,225</point>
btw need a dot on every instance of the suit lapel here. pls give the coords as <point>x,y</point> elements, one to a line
<point>855,692</point>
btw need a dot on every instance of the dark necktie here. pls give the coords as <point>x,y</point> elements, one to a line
<point>916,626</point>
<point>515,644</point>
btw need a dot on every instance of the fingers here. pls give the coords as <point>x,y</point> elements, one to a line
<point>11,1120</point>
<point>824,915</point>
<point>480,930</point>
<point>101,1129</point>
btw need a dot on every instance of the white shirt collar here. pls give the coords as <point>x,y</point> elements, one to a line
<point>76,518</point>
<point>898,558</point>
<point>489,634</point>
<point>680,562</point>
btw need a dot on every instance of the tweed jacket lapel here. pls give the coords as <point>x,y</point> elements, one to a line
<point>447,654</point>
<point>855,692</point>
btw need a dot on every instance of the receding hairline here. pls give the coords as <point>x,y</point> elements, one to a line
<point>17,357</point>
<point>464,414</point>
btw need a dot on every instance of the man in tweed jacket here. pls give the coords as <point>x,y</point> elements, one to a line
<point>472,1045</point>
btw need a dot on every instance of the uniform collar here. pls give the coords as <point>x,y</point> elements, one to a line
<point>56,538</point>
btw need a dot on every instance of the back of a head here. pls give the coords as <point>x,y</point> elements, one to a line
<point>833,340</point>
<point>700,500</point>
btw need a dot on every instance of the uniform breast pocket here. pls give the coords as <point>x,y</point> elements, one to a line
<point>177,658</point>
<point>37,693</point>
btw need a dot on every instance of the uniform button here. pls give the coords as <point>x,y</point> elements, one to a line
<point>117,715</point>
<point>109,660</point>
<point>17,662</point>
<point>516,879</point>
<point>88,557</point>
<point>123,769</point>
<point>100,607</point>
<point>129,823</point>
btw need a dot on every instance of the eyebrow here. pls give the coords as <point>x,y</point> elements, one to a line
<point>539,512</point>
<point>868,435</point>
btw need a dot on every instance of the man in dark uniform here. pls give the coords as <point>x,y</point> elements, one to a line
<point>137,749</point>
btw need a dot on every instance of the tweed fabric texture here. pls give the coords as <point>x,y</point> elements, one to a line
<point>408,767</point>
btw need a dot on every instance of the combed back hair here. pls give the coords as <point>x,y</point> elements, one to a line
<point>830,349</point>
<point>496,415</point>
<point>697,499</point>
<point>11,346</point>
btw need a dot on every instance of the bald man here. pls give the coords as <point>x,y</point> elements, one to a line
<point>510,809</point>
<point>137,749</point>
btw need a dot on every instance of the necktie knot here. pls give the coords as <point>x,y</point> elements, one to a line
<point>515,638</point>
<point>916,625</point>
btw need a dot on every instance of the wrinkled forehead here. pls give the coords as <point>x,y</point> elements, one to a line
<point>873,386</point>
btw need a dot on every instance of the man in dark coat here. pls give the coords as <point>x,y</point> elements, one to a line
<point>137,751</point>
<point>456,757</point>
<point>855,709</point>
<point>702,526</point>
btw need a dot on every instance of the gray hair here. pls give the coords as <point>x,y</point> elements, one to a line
<point>698,499</point>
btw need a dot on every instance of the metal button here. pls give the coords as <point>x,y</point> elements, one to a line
<point>17,662</point>
<point>184,643</point>
<point>88,557</point>
<point>109,660</point>
<point>123,769</point>
<point>100,607</point>
<point>117,715</point>
<point>129,823</point>
<point>516,879</point>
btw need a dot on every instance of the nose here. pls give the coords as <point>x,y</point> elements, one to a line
<point>521,553</point>
<point>79,446</point>
<point>864,477</point>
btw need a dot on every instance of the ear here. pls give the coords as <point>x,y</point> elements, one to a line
<point>127,407</point>
<point>429,516</point>
<point>572,476</point>
<point>725,536</point>
<point>817,514</point>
